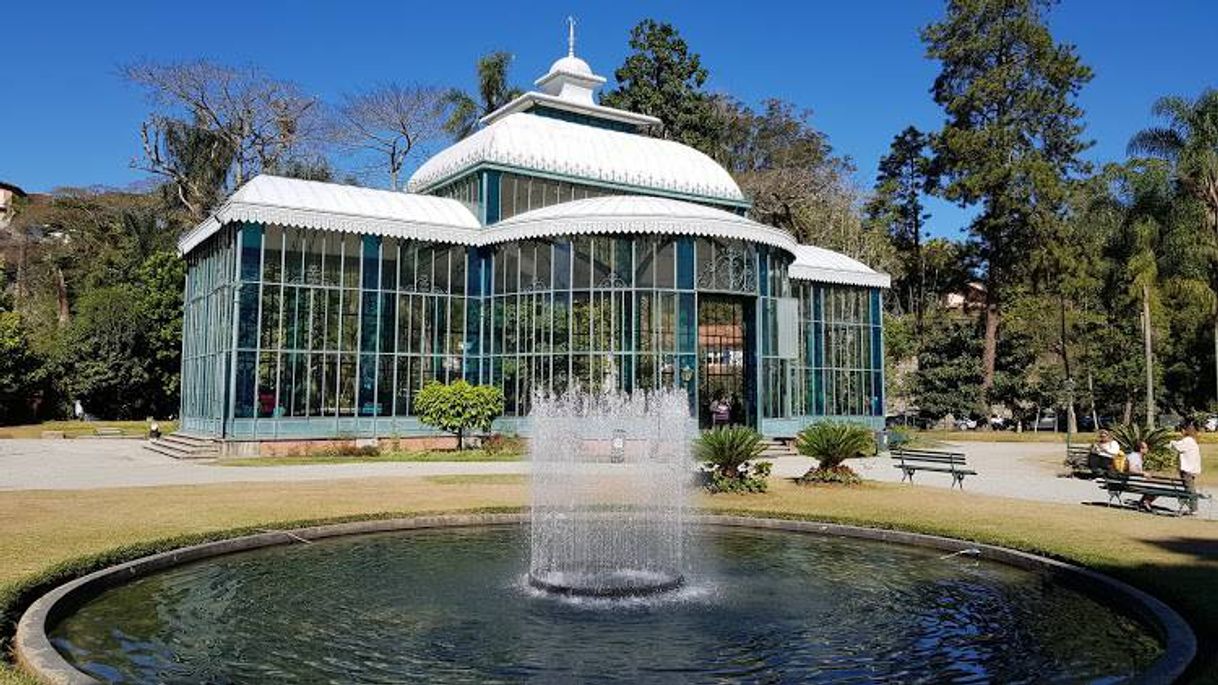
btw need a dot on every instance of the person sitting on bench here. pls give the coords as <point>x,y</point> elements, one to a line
<point>1189,453</point>
<point>1134,460</point>
<point>1103,452</point>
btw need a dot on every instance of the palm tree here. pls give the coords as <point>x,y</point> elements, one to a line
<point>493,93</point>
<point>1190,142</point>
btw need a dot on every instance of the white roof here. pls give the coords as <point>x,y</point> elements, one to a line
<point>826,266</point>
<point>581,152</point>
<point>330,206</point>
<point>635,214</point>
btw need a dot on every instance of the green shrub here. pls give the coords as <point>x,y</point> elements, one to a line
<point>497,444</point>
<point>834,475</point>
<point>729,454</point>
<point>458,407</point>
<point>1161,456</point>
<point>830,443</point>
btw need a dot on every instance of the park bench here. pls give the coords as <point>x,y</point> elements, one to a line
<point>1079,461</point>
<point>1118,484</point>
<point>108,432</point>
<point>910,461</point>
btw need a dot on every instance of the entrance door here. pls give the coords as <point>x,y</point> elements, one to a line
<point>725,349</point>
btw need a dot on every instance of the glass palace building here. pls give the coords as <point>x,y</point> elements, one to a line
<point>557,247</point>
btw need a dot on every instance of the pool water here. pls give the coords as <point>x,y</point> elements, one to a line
<point>453,606</point>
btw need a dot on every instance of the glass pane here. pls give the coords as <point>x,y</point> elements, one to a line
<point>367,385</point>
<point>312,245</point>
<point>267,373</point>
<point>294,257</point>
<point>389,263</point>
<point>270,317</point>
<point>583,262</point>
<point>406,270</point>
<point>346,385</point>
<point>384,385</point>
<point>332,260</point>
<point>351,260</point>
<point>388,321</point>
<point>456,261</point>
<point>644,262</point>
<point>243,403</point>
<point>562,265</point>
<point>685,263</point>
<point>372,257</point>
<point>350,321</point>
<point>251,251</point>
<point>665,265</point>
<point>272,255</point>
<point>247,316</point>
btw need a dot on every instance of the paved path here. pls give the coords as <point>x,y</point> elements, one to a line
<point>1019,470</point>
<point>87,464</point>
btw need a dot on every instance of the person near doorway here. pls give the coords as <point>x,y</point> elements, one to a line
<point>721,411</point>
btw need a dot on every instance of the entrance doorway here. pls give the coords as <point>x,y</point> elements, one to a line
<point>725,359</point>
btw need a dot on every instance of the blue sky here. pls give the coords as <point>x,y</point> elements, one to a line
<point>67,119</point>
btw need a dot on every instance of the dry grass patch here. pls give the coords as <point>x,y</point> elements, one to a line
<point>76,429</point>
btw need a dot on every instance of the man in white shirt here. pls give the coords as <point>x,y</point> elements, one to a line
<point>1189,453</point>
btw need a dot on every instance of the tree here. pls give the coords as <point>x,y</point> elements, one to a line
<point>948,379</point>
<point>459,407</point>
<point>160,280</point>
<point>464,110</point>
<point>795,181</point>
<point>1190,142</point>
<point>100,354</point>
<point>903,178</point>
<point>1011,140</point>
<point>390,123</point>
<point>663,79</point>
<point>18,369</point>
<point>217,126</point>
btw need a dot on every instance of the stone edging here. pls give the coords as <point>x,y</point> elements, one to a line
<point>35,653</point>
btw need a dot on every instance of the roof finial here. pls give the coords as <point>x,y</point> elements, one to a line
<point>570,36</point>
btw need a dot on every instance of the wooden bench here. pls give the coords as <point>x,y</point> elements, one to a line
<point>910,461</point>
<point>1079,461</point>
<point>108,432</point>
<point>1117,484</point>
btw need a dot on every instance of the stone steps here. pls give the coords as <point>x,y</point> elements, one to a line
<point>181,446</point>
<point>778,448</point>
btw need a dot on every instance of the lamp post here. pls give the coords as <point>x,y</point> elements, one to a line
<point>1069,385</point>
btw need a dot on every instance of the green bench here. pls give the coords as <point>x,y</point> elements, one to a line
<point>910,461</point>
<point>1118,484</point>
<point>1078,459</point>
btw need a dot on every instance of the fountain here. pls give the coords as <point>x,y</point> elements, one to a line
<point>610,477</point>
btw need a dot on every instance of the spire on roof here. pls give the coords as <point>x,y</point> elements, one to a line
<point>570,36</point>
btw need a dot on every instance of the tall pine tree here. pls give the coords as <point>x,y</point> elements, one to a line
<point>903,178</point>
<point>1012,137</point>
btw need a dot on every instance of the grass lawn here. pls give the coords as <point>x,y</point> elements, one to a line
<point>76,429</point>
<point>1175,559</point>
<point>434,455</point>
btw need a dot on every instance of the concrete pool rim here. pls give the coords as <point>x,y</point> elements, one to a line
<point>35,653</point>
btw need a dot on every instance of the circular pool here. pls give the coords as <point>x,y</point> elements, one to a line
<point>454,605</point>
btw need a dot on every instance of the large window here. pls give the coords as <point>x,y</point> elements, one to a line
<point>334,324</point>
<point>840,366</point>
<point>599,312</point>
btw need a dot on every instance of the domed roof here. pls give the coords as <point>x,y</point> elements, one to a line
<point>571,65</point>
<point>635,214</point>
<point>582,153</point>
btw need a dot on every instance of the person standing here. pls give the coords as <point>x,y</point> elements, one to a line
<point>1190,460</point>
<point>1189,454</point>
